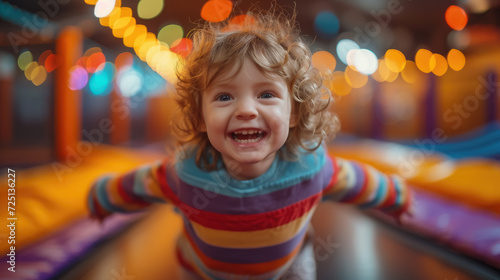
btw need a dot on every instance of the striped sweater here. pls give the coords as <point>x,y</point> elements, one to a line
<point>249,229</point>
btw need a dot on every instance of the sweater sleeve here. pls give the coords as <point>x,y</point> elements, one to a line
<point>361,184</point>
<point>130,192</point>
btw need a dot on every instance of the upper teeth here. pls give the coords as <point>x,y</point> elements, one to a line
<point>250,131</point>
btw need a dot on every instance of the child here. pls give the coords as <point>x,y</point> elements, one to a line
<point>251,167</point>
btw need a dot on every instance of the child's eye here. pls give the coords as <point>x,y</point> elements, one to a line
<point>266,94</point>
<point>223,97</point>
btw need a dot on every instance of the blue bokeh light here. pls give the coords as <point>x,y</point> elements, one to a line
<point>326,24</point>
<point>101,81</point>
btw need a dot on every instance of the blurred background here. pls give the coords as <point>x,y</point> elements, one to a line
<point>86,88</point>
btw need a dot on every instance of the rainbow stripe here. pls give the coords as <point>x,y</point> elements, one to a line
<point>255,228</point>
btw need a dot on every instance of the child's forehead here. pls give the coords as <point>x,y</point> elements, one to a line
<point>226,73</point>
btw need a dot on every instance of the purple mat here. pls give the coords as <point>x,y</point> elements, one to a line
<point>50,256</point>
<point>471,231</point>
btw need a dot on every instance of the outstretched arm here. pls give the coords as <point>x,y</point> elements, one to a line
<point>126,193</point>
<point>363,185</point>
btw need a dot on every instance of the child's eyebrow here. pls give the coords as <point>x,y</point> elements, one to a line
<point>231,86</point>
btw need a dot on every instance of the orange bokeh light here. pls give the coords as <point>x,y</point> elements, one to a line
<point>324,61</point>
<point>456,17</point>
<point>94,61</point>
<point>182,47</point>
<point>216,10</point>
<point>51,63</point>
<point>125,59</point>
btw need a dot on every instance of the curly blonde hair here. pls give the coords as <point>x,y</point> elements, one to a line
<point>271,40</point>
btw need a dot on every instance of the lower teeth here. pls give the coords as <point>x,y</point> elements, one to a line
<point>245,141</point>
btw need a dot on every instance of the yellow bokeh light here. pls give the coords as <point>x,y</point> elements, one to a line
<point>24,59</point>
<point>146,47</point>
<point>456,59</point>
<point>168,67</point>
<point>382,72</point>
<point>438,64</point>
<point>29,69</point>
<point>132,33</point>
<point>354,78</point>
<point>149,51</point>
<point>90,2</point>
<point>422,59</point>
<point>38,75</point>
<point>170,33</point>
<point>395,60</point>
<point>324,61</point>
<point>149,9</point>
<point>153,54</point>
<point>121,25</point>
<point>338,84</point>
<point>411,74</point>
<point>115,14</point>
<point>141,39</point>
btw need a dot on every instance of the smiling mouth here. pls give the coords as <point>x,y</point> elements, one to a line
<point>247,136</point>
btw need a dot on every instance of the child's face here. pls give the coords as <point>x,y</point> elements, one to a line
<point>247,115</point>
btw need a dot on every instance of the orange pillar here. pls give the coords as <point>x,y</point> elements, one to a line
<point>6,117</point>
<point>67,102</point>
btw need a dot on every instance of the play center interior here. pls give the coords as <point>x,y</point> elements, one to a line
<point>87,87</point>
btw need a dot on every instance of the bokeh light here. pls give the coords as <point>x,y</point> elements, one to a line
<point>343,47</point>
<point>326,24</point>
<point>143,39</point>
<point>100,82</point>
<point>29,69</point>
<point>44,56</point>
<point>39,75</point>
<point>91,51</point>
<point>395,60</point>
<point>94,61</point>
<point>354,78</point>
<point>143,50</point>
<point>242,20</point>
<point>132,33</point>
<point>121,25</point>
<point>338,84</point>
<point>422,59</point>
<point>478,6</point>
<point>170,33</point>
<point>216,10</point>
<point>167,67</point>
<point>182,47</point>
<point>129,81</point>
<point>51,63</point>
<point>104,7</point>
<point>124,60</point>
<point>324,61</point>
<point>363,60</point>
<point>456,59</point>
<point>456,17</point>
<point>78,78</point>
<point>148,9</point>
<point>410,74</point>
<point>24,59</point>
<point>382,72</point>
<point>438,64</point>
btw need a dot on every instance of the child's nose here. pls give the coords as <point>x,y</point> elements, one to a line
<point>246,110</point>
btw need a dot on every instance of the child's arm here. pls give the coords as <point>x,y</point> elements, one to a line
<point>363,185</point>
<point>126,193</point>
